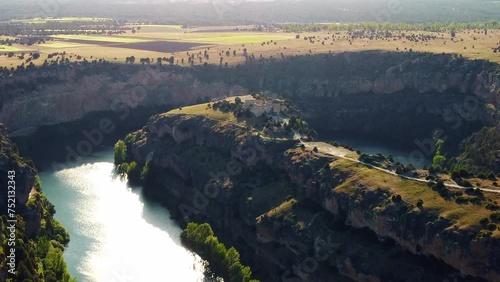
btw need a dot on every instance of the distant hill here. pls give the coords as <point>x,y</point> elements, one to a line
<point>198,12</point>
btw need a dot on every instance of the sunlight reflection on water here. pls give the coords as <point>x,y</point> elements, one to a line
<point>115,234</point>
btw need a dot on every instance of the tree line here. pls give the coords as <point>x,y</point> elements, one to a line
<point>388,26</point>
<point>223,261</point>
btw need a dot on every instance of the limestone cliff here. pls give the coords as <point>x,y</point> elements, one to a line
<point>280,204</point>
<point>34,257</point>
<point>393,82</point>
<point>67,94</point>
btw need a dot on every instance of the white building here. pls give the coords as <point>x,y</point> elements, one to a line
<point>262,106</point>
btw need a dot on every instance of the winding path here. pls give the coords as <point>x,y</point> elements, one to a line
<point>328,150</point>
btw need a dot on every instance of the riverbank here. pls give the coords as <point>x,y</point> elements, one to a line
<point>116,232</point>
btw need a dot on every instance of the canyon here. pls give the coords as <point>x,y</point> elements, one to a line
<point>279,204</point>
<point>223,174</point>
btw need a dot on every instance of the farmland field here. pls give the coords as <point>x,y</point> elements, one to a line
<point>100,38</point>
<point>160,46</point>
<point>228,44</point>
<point>63,19</point>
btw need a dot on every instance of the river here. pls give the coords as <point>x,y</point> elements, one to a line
<point>371,146</point>
<point>116,234</point>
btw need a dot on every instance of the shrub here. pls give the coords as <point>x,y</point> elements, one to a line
<point>420,203</point>
<point>491,176</point>
<point>484,221</point>
<point>120,152</point>
<point>464,173</point>
<point>440,185</point>
<point>492,207</point>
<point>464,183</point>
<point>134,172</point>
<point>492,227</point>
<point>225,262</point>
<point>396,198</point>
<point>495,216</point>
<point>410,167</point>
<point>438,161</point>
<point>400,169</point>
<point>475,200</point>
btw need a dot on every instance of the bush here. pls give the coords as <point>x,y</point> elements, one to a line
<point>440,185</point>
<point>410,167</point>
<point>491,176</point>
<point>134,172</point>
<point>400,169</point>
<point>438,160</point>
<point>225,262</point>
<point>492,207</point>
<point>495,216</point>
<point>464,183</point>
<point>420,203</point>
<point>120,152</point>
<point>484,221</point>
<point>492,227</point>
<point>396,198</point>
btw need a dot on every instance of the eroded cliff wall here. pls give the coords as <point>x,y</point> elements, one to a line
<point>282,203</point>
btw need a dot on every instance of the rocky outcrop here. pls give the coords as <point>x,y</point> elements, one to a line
<point>24,174</point>
<point>69,94</point>
<point>423,82</point>
<point>291,230</point>
<point>30,216</point>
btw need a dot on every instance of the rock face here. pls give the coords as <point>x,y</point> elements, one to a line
<point>198,150</point>
<point>69,94</point>
<point>420,82</point>
<point>33,215</point>
<point>24,174</point>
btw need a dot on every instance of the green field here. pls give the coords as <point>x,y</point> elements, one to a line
<point>63,44</point>
<point>165,26</point>
<point>102,38</point>
<point>5,48</point>
<point>236,39</point>
<point>64,19</point>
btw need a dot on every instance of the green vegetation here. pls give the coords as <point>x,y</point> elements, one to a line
<point>439,159</point>
<point>135,172</point>
<point>63,19</point>
<point>464,210</point>
<point>224,262</point>
<point>388,26</point>
<point>39,250</point>
<point>120,152</point>
<point>237,39</point>
<point>103,38</point>
<point>480,152</point>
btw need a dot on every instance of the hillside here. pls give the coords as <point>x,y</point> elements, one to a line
<point>277,201</point>
<point>32,240</point>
